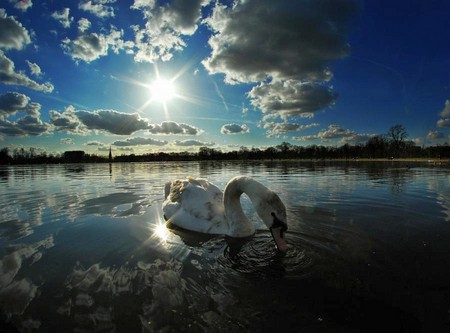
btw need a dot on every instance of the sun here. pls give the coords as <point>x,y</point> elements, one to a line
<point>162,90</point>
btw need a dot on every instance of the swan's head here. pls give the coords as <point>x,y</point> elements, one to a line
<point>273,213</point>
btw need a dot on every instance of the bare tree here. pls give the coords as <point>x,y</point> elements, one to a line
<point>397,136</point>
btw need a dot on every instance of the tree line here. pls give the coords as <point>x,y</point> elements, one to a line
<point>393,144</point>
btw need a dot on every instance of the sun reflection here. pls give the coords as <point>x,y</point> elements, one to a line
<point>161,232</point>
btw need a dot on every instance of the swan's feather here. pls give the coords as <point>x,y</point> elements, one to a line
<point>195,204</point>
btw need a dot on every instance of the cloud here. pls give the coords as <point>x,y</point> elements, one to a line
<point>9,76</point>
<point>67,141</point>
<point>25,126</point>
<point>112,121</point>
<point>171,127</point>
<point>98,8</point>
<point>234,129</point>
<point>277,129</point>
<point>139,141</point>
<point>34,68</point>
<point>443,122</point>
<point>12,102</point>
<point>22,5</point>
<point>165,27</point>
<point>92,46</point>
<point>67,121</point>
<point>445,113</point>
<point>188,143</point>
<point>94,143</point>
<point>254,40</point>
<point>336,132</point>
<point>83,24</point>
<point>12,34</point>
<point>291,98</point>
<point>63,17</point>
<point>435,135</point>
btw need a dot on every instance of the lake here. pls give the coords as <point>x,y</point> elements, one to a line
<point>84,248</point>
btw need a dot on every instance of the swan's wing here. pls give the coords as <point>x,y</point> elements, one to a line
<point>195,204</point>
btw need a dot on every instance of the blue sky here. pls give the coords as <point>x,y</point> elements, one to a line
<point>88,74</point>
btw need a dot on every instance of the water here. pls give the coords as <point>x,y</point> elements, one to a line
<point>84,248</point>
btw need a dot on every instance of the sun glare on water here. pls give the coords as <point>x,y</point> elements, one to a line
<point>162,90</point>
<point>161,232</point>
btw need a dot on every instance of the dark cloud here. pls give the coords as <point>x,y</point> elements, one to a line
<point>171,127</point>
<point>291,98</point>
<point>112,121</point>
<point>139,141</point>
<point>188,143</point>
<point>67,121</point>
<point>9,76</point>
<point>24,126</point>
<point>286,39</point>
<point>11,102</point>
<point>12,34</point>
<point>234,129</point>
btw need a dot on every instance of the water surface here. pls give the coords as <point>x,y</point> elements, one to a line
<point>84,248</point>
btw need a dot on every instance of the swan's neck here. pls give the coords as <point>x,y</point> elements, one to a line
<point>239,224</point>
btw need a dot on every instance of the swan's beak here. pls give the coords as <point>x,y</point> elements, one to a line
<point>278,237</point>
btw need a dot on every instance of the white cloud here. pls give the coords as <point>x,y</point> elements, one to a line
<point>445,113</point>
<point>189,143</point>
<point>335,132</point>
<point>256,39</point>
<point>63,17</point>
<point>171,127</point>
<point>291,98</point>
<point>98,8</point>
<point>443,122</point>
<point>22,5</point>
<point>67,141</point>
<point>112,121</point>
<point>94,143</point>
<point>165,27</point>
<point>234,129</point>
<point>12,34</point>
<point>34,68</point>
<point>139,141</point>
<point>92,46</point>
<point>9,76</point>
<point>277,129</point>
<point>435,135</point>
<point>83,24</point>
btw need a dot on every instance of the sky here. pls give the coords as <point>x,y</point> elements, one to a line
<point>149,75</point>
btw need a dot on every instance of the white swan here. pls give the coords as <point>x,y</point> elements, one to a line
<point>198,205</point>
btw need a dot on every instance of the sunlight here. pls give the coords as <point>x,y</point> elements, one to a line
<point>162,90</point>
<point>161,232</point>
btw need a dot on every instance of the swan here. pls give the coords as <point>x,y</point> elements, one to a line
<point>198,205</point>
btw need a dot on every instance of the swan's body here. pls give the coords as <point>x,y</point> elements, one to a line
<point>198,205</point>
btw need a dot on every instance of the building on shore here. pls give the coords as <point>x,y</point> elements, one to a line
<point>74,156</point>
